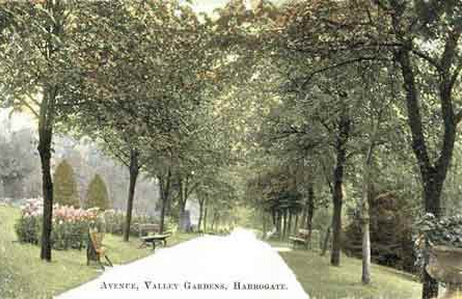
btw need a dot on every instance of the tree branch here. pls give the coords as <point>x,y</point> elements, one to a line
<point>338,65</point>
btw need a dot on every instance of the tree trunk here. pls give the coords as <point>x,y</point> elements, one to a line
<point>163,209</point>
<point>201,212</point>
<point>337,198</point>
<point>310,213</point>
<point>325,244</point>
<point>310,210</point>
<point>264,224</point>
<point>185,191</point>
<point>366,250</point>
<point>295,225</point>
<point>433,175</point>
<point>44,149</point>
<point>432,196</point>
<point>278,222</point>
<point>205,218</point>
<point>45,131</point>
<point>365,217</point>
<point>304,214</point>
<point>164,187</point>
<point>134,170</point>
<point>336,234</point>
<point>273,217</point>
<point>289,224</point>
<point>284,224</point>
<point>182,204</point>
<point>212,226</point>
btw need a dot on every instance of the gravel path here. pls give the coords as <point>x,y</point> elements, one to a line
<point>234,267</point>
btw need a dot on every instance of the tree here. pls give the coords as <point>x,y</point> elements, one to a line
<point>397,32</point>
<point>97,195</point>
<point>65,187</point>
<point>145,101</point>
<point>38,66</point>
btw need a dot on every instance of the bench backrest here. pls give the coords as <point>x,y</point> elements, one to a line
<point>96,239</point>
<point>148,228</point>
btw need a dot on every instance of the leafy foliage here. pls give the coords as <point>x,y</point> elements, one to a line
<point>446,231</point>
<point>65,187</point>
<point>390,233</point>
<point>97,194</point>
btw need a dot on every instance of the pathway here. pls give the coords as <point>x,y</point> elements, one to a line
<point>234,267</point>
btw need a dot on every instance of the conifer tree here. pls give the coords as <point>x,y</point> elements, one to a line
<point>97,195</point>
<point>65,187</point>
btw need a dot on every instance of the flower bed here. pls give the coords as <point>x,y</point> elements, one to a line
<point>70,225</point>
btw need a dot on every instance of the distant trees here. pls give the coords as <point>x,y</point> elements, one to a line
<point>97,195</point>
<point>65,186</point>
<point>17,162</point>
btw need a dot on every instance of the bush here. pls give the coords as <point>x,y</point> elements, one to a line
<point>115,222</point>
<point>70,225</point>
<point>29,226</point>
<point>390,233</point>
<point>97,195</point>
<point>28,229</point>
<point>444,231</point>
<point>64,185</point>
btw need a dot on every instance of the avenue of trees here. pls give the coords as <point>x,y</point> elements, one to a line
<point>302,111</point>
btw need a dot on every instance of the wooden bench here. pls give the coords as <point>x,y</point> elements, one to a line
<point>302,237</point>
<point>95,249</point>
<point>149,235</point>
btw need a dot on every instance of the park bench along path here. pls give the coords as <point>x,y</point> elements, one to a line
<point>237,266</point>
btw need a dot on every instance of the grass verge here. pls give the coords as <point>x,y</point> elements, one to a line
<point>321,281</point>
<point>24,275</point>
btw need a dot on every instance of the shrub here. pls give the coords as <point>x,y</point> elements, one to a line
<point>97,195</point>
<point>64,185</point>
<point>444,231</point>
<point>28,227</point>
<point>115,222</point>
<point>390,233</point>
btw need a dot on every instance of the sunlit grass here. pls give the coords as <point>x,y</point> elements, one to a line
<point>322,281</point>
<point>24,275</point>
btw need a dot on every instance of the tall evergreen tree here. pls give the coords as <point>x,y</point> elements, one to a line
<point>65,187</point>
<point>97,195</point>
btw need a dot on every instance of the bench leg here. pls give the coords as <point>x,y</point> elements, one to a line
<point>108,260</point>
<point>101,264</point>
<point>153,246</point>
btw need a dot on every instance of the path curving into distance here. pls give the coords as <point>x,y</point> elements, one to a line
<point>238,266</point>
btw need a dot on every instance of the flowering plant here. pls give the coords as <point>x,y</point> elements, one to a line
<point>70,225</point>
<point>431,231</point>
<point>446,231</point>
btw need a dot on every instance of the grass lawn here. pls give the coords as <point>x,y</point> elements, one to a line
<point>321,281</point>
<point>24,275</point>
